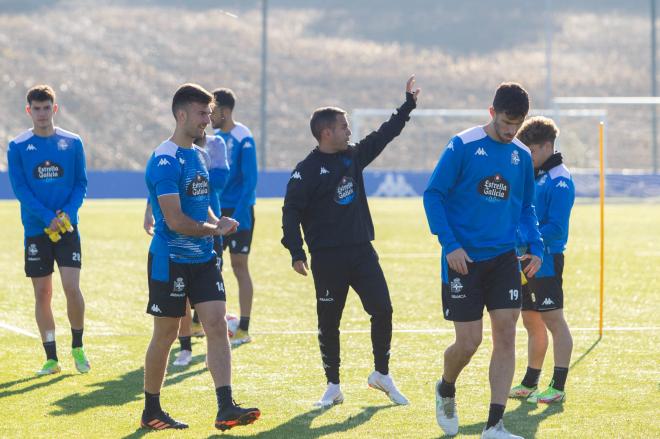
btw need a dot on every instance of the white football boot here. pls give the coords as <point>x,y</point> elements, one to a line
<point>446,413</point>
<point>385,384</point>
<point>183,358</point>
<point>331,396</point>
<point>498,431</point>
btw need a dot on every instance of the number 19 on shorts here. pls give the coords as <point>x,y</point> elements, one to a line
<point>514,294</point>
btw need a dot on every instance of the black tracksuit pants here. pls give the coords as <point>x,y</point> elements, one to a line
<point>334,270</point>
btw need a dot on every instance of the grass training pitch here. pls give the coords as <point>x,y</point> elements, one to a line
<point>612,389</point>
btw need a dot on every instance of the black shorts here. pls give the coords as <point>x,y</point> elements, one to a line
<point>494,283</point>
<point>171,283</point>
<point>544,292</point>
<point>239,242</point>
<point>41,253</point>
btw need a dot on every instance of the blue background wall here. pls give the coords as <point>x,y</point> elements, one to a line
<point>130,184</point>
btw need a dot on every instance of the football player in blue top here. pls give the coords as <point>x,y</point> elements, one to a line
<point>216,161</point>
<point>182,263</point>
<point>543,295</point>
<point>47,172</point>
<point>480,191</point>
<point>237,200</point>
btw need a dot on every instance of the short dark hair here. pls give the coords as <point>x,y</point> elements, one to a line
<point>189,93</point>
<point>512,99</point>
<point>322,118</point>
<point>538,130</point>
<point>40,93</point>
<point>224,97</point>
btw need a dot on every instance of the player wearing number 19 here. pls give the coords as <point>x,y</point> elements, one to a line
<point>47,172</point>
<point>182,263</point>
<point>480,191</point>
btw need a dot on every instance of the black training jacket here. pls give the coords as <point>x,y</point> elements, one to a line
<point>325,193</point>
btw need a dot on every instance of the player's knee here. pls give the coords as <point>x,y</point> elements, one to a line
<point>164,337</point>
<point>43,294</point>
<point>72,290</point>
<point>216,327</point>
<point>468,345</point>
<point>239,262</point>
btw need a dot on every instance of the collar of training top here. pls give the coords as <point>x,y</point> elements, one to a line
<point>554,160</point>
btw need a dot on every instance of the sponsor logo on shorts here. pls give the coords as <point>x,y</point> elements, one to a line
<point>178,285</point>
<point>198,186</point>
<point>345,192</point>
<point>494,187</point>
<point>547,301</point>
<point>327,297</point>
<point>156,308</point>
<point>515,158</point>
<point>33,251</point>
<point>48,170</point>
<point>233,243</point>
<point>456,287</point>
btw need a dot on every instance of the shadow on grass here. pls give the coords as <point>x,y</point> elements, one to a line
<point>519,421</point>
<point>301,425</point>
<point>587,352</point>
<point>119,391</point>
<point>44,381</point>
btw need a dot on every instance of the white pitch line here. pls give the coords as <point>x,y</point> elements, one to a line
<point>12,328</point>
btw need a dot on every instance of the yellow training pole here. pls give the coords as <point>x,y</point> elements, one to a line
<point>601,132</point>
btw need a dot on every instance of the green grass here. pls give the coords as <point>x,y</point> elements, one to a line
<point>613,388</point>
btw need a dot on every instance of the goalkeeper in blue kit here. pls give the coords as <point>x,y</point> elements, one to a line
<point>48,175</point>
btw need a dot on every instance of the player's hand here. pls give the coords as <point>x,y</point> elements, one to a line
<point>301,267</point>
<point>56,224</point>
<point>226,226</point>
<point>149,224</point>
<point>533,266</point>
<point>410,86</point>
<point>457,261</point>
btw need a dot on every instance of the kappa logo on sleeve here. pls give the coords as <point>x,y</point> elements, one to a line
<point>562,184</point>
<point>296,176</point>
<point>164,162</point>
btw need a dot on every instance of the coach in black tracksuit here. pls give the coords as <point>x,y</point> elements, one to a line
<point>326,195</point>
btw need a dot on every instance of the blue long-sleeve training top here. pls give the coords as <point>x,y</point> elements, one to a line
<point>218,166</point>
<point>555,195</point>
<point>47,174</point>
<point>240,191</point>
<point>478,194</point>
